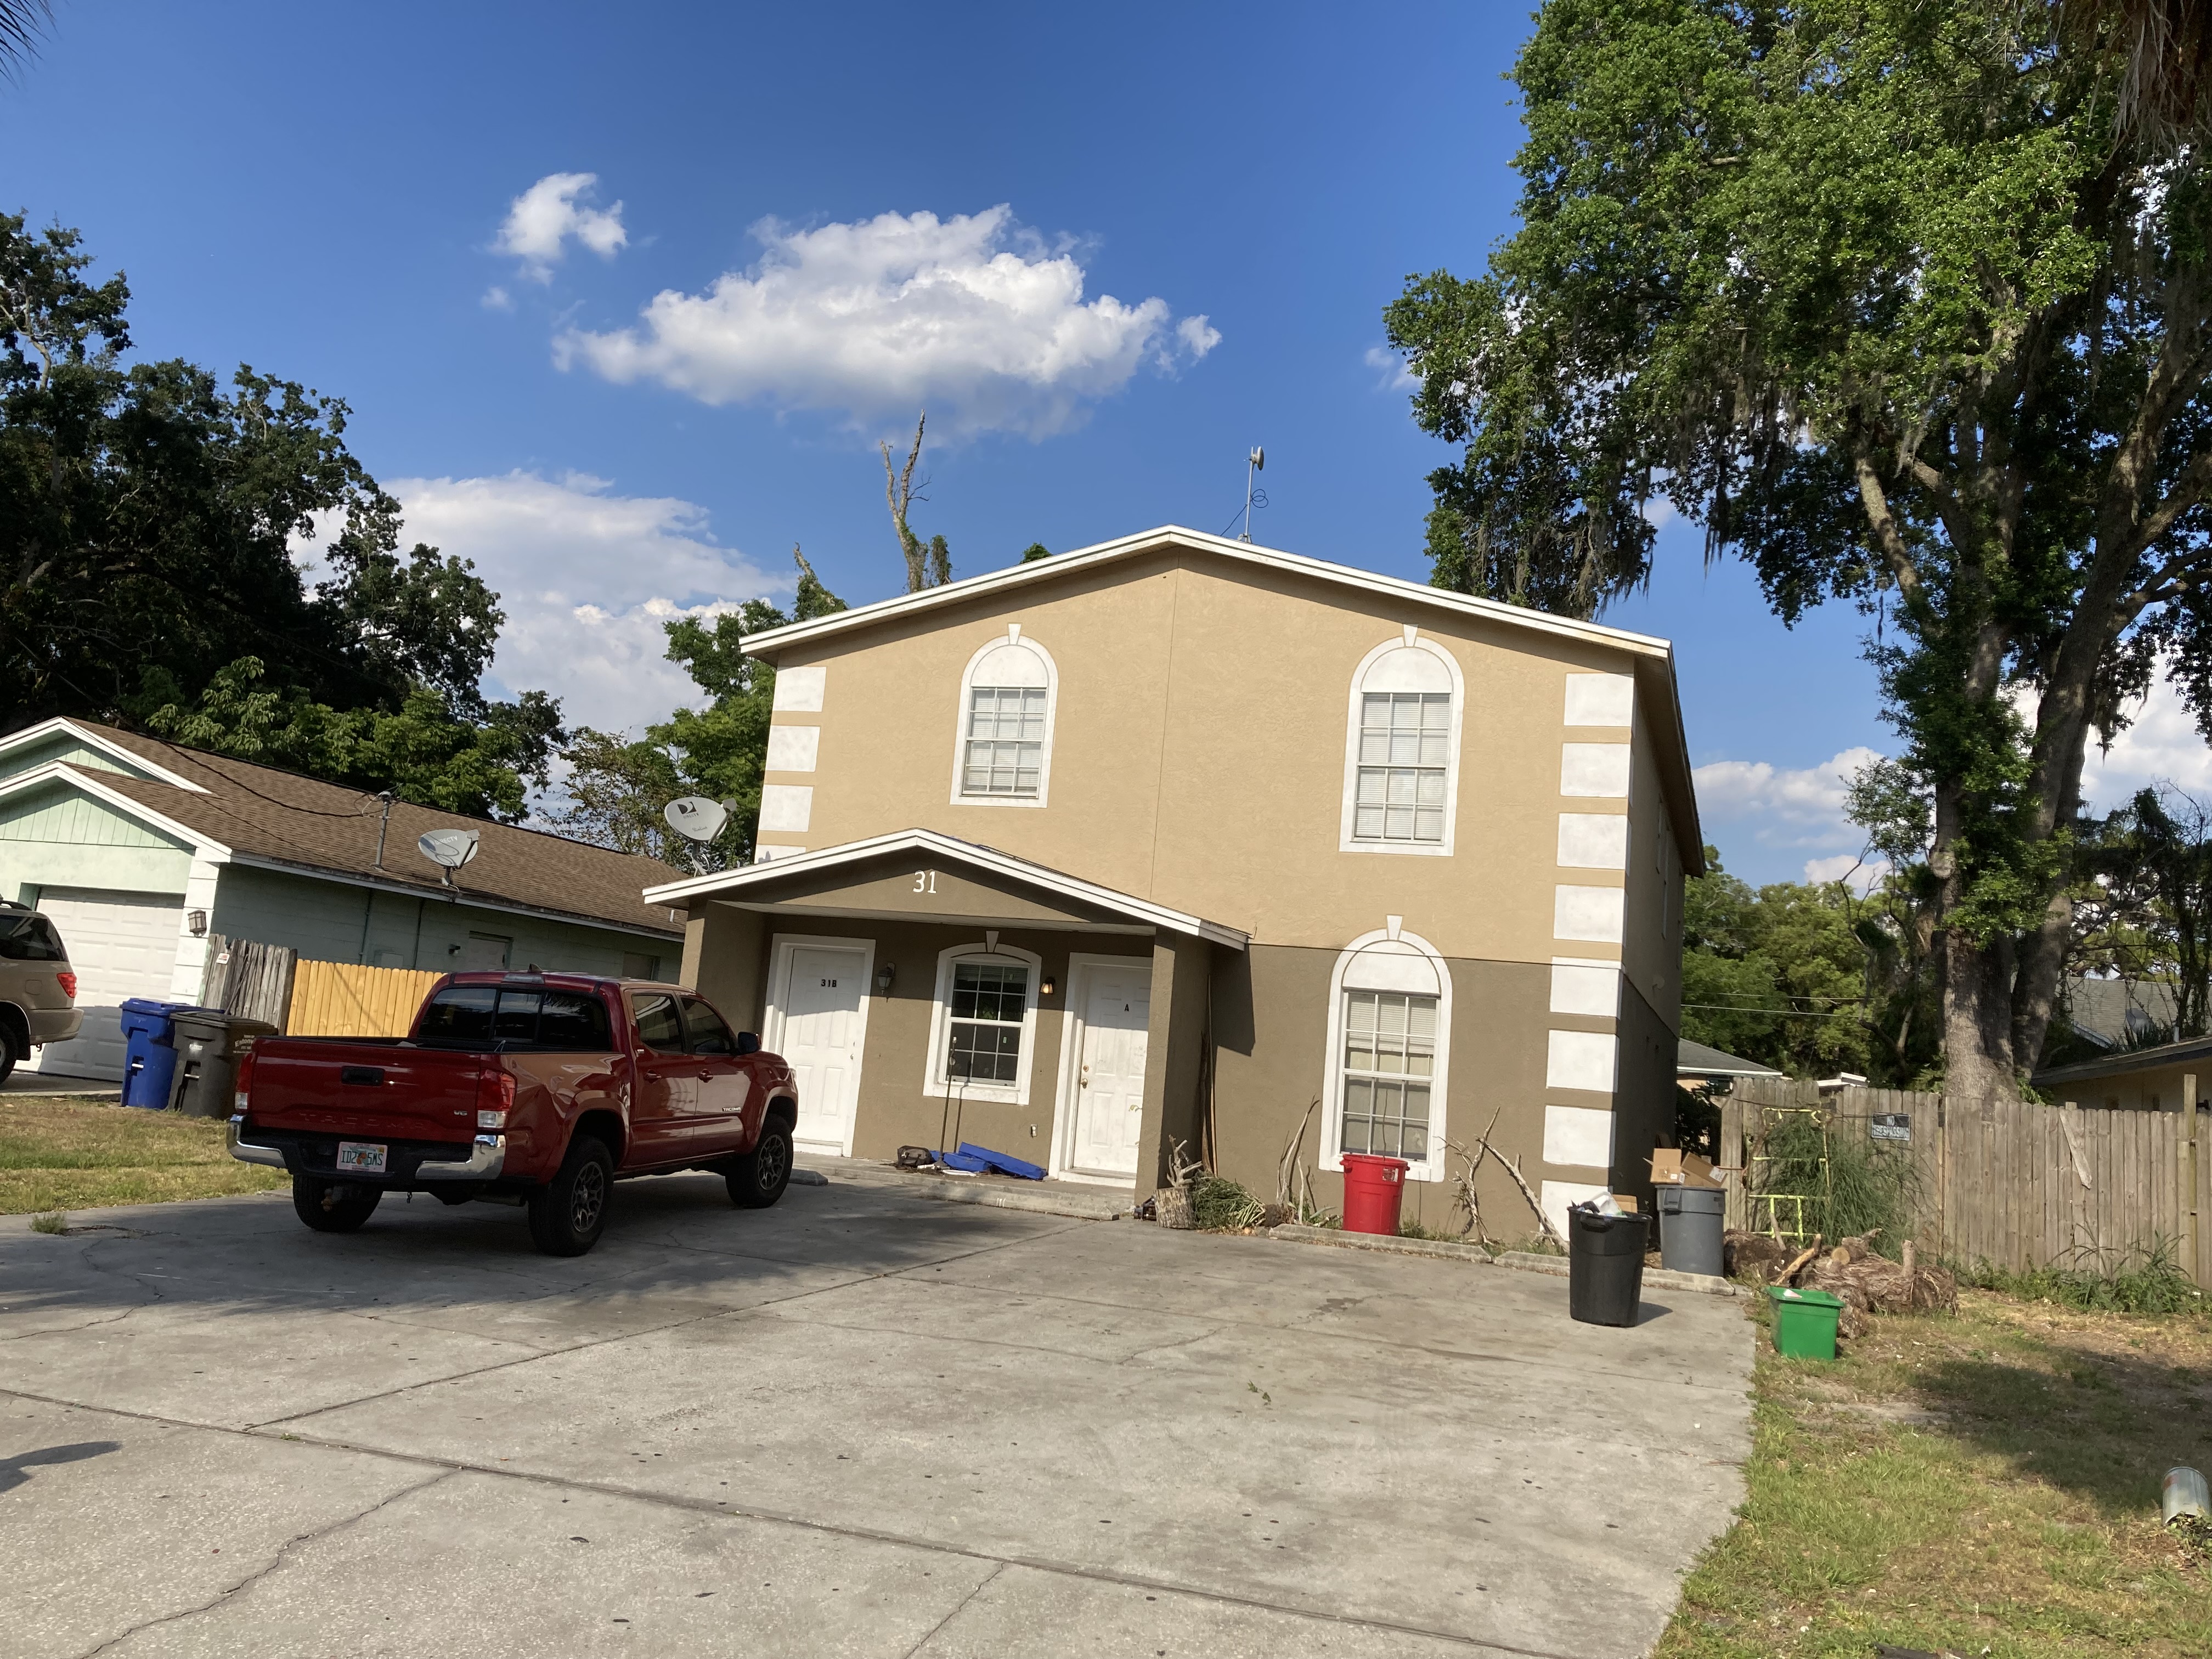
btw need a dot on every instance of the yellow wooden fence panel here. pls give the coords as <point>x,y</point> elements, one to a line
<point>341,999</point>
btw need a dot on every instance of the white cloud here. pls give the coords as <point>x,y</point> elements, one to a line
<point>1847,868</point>
<point>1756,813</point>
<point>541,222</point>
<point>984,325</point>
<point>2162,745</point>
<point>1392,372</point>
<point>587,577</point>
<point>496,298</point>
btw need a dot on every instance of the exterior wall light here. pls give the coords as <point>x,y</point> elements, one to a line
<point>884,977</point>
<point>196,921</point>
<point>1044,986</point>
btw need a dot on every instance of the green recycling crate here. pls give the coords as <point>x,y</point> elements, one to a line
<point>1805,1323</point>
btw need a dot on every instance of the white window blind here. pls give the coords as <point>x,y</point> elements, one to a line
<point>1005,753</point>
<point>1405,752</point>
<point>1389,1059</point>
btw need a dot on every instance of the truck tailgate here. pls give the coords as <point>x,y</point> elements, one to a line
<point>339,1086</point>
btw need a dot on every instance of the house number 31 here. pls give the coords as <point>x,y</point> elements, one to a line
<point>925,881</point>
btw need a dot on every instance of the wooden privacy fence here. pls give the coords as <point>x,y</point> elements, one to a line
<point>249,979</point>
<point>2013,1183</point>
<point>338,999</point>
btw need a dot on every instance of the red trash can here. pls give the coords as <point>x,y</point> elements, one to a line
<point>1374,1188</point>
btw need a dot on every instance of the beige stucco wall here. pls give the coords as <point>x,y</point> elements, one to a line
<point>2157,1089</point>
<point>1199,752</point>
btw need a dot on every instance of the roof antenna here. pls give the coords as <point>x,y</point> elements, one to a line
<point>1255,463</point>
<point>385,796</point>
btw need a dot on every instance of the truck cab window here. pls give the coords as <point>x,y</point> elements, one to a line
<point>658,1026</point>
<point>461,1013</point>
<point>574,1020</point>
<point>709,1035</point>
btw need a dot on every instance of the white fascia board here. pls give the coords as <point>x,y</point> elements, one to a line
<point>203,845</point>
<point>773,640</point>
<point>107,745</point>
<point>461,896</point>
<point>960,852</point>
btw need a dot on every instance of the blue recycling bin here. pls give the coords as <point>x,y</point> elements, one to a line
<point>150,1053</point>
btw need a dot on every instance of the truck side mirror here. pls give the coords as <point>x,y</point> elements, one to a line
<point>748,1043</point>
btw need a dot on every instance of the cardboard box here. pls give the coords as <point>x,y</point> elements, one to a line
<point>1672,1167</point>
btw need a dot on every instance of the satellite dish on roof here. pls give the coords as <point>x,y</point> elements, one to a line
<point>696,818</point>
<point>451,848</point>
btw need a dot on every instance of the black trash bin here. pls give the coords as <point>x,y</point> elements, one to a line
<point>1691,1221</point>
<point>1605,1267</point>
<point>208,1043</point>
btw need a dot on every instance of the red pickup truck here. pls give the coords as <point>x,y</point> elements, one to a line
<point>537,1090</point>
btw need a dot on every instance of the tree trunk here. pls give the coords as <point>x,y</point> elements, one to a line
<point>1978,1052</point>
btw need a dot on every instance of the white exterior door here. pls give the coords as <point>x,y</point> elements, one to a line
<point>1110,1077</point>
<point>822,1023</point>
<point>120,945</point>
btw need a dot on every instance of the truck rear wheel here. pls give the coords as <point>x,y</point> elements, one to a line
<point>757,1179</point>
<point>568,1214</point>
<point>332,1206</point>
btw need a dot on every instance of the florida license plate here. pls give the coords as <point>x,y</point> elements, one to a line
<point>361,1157</point>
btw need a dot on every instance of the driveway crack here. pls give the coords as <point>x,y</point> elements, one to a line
<point>273,1562</point>
<point>930,1635</point>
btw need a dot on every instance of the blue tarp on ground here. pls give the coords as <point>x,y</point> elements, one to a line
<point>976,1160</point>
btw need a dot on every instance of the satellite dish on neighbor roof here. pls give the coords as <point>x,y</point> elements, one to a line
<point>696,818</point>
<point>450,848</point>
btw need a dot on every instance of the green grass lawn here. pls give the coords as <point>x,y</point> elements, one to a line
<point>1987,1483</point>
<point>59,1153</point>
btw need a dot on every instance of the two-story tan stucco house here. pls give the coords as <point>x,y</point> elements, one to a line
<point>1176,838</point>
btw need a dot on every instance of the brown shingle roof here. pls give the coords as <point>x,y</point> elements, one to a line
<point>285,818</point>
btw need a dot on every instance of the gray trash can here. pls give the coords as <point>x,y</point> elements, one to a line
<point>1690,1219</point>
<point>208,1043</point>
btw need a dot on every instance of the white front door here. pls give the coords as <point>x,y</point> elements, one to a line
<point>1110,1077</point>
<point>820,1036</point>
<point>119,944</point>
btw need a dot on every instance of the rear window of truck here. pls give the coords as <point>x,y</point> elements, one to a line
<point>29,939</point>
<point>512,1017</point>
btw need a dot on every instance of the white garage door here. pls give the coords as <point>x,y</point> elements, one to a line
<point>120,945</point>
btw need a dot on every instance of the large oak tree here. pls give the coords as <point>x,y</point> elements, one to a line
<point>1887,297</point>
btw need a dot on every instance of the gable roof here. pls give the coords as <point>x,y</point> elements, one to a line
<point>2127,1061</point>
<point>263,815</point>
<point>1654,658</point>
<point>985,861</point>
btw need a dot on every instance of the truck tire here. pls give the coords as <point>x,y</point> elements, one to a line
<point>567,1213</point>
<point>332,1206</point>
<point>7,1055</point>
<point>757,1179</point>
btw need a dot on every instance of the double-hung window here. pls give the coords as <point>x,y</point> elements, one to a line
<point>1401,751</point>
<point>1405,759</point>
<point>990,1000</point>
<point>1390,1065</point>
<point>1002,750</point>
<point>1005,741</point>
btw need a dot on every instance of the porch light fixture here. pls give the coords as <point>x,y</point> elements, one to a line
<point>196,921</point>
<point>1044,986</point>
<point>885,976</point>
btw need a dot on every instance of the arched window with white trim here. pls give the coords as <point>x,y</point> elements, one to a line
<point>1002,750</point>
<point>983,1038</point>
<point>1389,1049</point>
<point>1401,748</point>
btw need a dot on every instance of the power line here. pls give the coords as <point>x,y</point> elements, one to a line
<point>1792,1013</point>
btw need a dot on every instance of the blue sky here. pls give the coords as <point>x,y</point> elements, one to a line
<point>373,202</point>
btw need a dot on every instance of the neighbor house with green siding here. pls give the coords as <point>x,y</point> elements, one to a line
<point>139,850</point>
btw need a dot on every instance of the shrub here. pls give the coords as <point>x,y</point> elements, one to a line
<point>1866,1187</point>
<point>1222,1204</point>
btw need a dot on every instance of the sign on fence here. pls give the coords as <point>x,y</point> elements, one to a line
<point>1891,1126</point>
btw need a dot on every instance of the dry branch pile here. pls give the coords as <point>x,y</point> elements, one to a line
<point>1867,1284</point>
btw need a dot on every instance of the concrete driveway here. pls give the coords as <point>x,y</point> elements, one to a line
<point>862,1422</point>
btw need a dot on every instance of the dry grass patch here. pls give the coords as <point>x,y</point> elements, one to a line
<point>1984,1483</point>
<point>61,1153</point>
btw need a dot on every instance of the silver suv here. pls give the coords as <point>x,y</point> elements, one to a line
<point>38,991</point>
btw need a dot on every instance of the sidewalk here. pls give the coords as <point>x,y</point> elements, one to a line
<point>21,1082</point>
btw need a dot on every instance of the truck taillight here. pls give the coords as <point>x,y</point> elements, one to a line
<point>494,1098</point>
<point>68,982</point>
<point>242,1082</point>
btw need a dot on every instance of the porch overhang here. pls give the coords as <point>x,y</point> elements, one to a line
<point>922,874</point>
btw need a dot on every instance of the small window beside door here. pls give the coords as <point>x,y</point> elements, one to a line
<point>983,1026</point>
